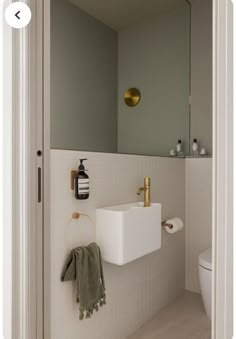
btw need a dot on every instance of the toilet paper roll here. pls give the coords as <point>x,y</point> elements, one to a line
<point>177,224</point>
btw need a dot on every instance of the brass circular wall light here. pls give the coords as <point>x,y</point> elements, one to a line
<point>132,97</point>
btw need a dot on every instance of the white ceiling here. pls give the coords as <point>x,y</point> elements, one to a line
<point>119,14</point>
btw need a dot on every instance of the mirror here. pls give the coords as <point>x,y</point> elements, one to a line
<point>111,47</point>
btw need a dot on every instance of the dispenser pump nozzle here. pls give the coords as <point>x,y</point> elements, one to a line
<point>81,166</point>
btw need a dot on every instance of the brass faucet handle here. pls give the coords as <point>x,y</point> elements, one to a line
<point>140,190</point>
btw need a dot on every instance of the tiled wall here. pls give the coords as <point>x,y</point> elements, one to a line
<point>198,217</point>
<point>135,292</point>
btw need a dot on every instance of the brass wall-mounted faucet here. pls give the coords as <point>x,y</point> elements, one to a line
<point>147,191</point>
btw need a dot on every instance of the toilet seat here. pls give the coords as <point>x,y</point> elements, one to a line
<point>205,259</point>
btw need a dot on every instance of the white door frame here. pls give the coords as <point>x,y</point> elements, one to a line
<point>26,280</point>
<point>33,133</point>
<point>222,322</point>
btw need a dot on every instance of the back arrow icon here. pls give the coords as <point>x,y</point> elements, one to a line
<point>17,15</point>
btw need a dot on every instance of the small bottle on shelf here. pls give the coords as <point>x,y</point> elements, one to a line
<point>179,148</point>
<point>195,148</point>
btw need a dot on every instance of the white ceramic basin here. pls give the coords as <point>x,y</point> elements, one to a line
<point>128,232</point>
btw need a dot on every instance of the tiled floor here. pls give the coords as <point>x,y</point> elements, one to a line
<point>184,319</point>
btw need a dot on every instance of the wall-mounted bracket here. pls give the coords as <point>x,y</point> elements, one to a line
<point>72,179</point>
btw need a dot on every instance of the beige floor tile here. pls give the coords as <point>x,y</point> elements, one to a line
<point>183,319</point>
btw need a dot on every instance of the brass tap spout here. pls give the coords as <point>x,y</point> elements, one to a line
<point>147,191</point>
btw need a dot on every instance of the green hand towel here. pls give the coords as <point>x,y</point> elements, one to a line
<point>84,265</point>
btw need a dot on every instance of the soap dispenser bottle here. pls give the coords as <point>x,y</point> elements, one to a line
<point>81,183</point>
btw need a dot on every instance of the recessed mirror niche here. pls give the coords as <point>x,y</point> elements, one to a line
<point>108,48</point>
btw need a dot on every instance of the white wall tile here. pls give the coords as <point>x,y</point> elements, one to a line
<point>198,195</point>
<point>135,292</point>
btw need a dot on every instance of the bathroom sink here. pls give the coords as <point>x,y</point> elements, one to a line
<point>128,232</point>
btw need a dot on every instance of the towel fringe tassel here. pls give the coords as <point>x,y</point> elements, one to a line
<point>91,309</point>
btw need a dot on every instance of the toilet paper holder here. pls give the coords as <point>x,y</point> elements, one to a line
<point>165,224</point>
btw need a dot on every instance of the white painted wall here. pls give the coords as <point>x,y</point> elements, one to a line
<point>137,291</point>
<point>198,216</point>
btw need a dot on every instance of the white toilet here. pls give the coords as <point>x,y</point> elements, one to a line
<point>205,276</point>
